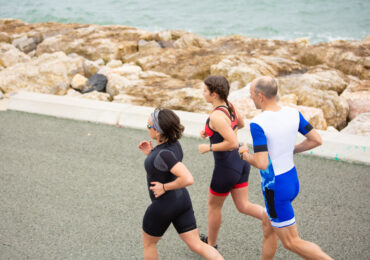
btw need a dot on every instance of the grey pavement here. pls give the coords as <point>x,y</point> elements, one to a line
<point>77,190</point>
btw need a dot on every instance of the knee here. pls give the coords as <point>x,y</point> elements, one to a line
<point>290,244</point>
<point>147,243</point>
<point>195,247</point>
<point>243,208</point>
<point>214,207</point>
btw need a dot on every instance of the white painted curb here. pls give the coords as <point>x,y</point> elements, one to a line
<point>336,146</point>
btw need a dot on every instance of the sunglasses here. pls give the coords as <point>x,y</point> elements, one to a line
<point>149,126</point>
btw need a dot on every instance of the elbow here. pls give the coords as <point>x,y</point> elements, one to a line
<point>190,181</point>
<point>234,145</point>
<point>319,141</point>
<point>263,166</point>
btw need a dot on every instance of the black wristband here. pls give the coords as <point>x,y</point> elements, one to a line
<point>163,187</point>
<point>210,147</point>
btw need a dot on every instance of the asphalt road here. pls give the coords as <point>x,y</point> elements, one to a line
<point>77,190</point>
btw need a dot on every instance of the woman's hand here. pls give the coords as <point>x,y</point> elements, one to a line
<point>243,148</point>
<point>146,147</point>
<point>244,152</point>
<point>203,148</point>
<point>203,134</point>
<point>157,188</point>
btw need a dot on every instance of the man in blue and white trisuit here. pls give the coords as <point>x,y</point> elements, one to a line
<point>274,134</point>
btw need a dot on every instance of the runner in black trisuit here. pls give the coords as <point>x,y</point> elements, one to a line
<point>167,178</point>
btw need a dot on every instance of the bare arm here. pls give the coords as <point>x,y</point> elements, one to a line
<point>313,139</point>
<point>184,178</point>
<point>241,122</point>
<point>259,160</point>
<point>221,125</point>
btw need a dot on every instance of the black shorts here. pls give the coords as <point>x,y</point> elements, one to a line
<point>174,207</point>
<point>225,179</point>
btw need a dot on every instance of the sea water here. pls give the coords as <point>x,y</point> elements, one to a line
<point>320,20</point>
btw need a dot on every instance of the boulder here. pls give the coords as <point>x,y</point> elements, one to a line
<point>114,64</point>
<point>190,40</point>
<point>92,67</point>
<point>94,42</point>
<point>49,74</point>
<point>9,55</point>
<point>290,99</point>
<point>360,125</point>
<point>349,57</point>
<point>94,95</point>
<point>357,95</point>
<point>148,46</point>
<point>242,69</point>
<point>78,81</point>
<point>318,79</point>
<point>4,37</point>
<point>315,116</point>
<point>117,84</point>
<point>25,44</point>
<point>128,99</point>
<point>97,82</point>
<point>335,108</point>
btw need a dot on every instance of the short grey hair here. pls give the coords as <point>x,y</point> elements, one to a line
<point>267,86</point>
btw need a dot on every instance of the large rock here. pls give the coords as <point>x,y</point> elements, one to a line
<point>318,79</point>
<point>49,74</point>
<point>350,57</point>
<point>357,95</point>
<point>94,42</point>
<point>242,69</point>
<point>25,44</point>
<point>9,55</point>
<point>97,82</point>
<point>316,93</point>
<point>94,95</point>
<point>92,67</point>
<point>4,37</point>
<point>245,105</point>
<point>118,84</point>
<point>191,40</point>
<point>359,126</point>
<point>78,81</point>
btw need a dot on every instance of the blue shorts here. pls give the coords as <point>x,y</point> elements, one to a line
<point>279,195</point>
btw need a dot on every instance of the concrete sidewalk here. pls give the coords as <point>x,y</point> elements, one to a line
<point>336,146</point>
<point>77,190</point>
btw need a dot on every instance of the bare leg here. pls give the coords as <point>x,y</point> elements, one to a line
<point>191,238</point>
<point>150,249</point>
<point>270,239</point>
<point>240,197</point>
<point>291,241</point>
<point>215,204</point>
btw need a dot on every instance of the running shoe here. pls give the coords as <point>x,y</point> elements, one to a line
<point>204,238</point>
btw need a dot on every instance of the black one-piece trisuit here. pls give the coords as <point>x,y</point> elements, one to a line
<point>230,171</point>
<point>174,206</point>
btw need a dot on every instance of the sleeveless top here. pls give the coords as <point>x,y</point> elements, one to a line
<point>229,159</point>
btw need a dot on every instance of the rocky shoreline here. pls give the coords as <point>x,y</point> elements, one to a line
<point>328,82</point>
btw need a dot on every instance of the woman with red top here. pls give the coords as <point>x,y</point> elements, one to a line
<point>230,174</point>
